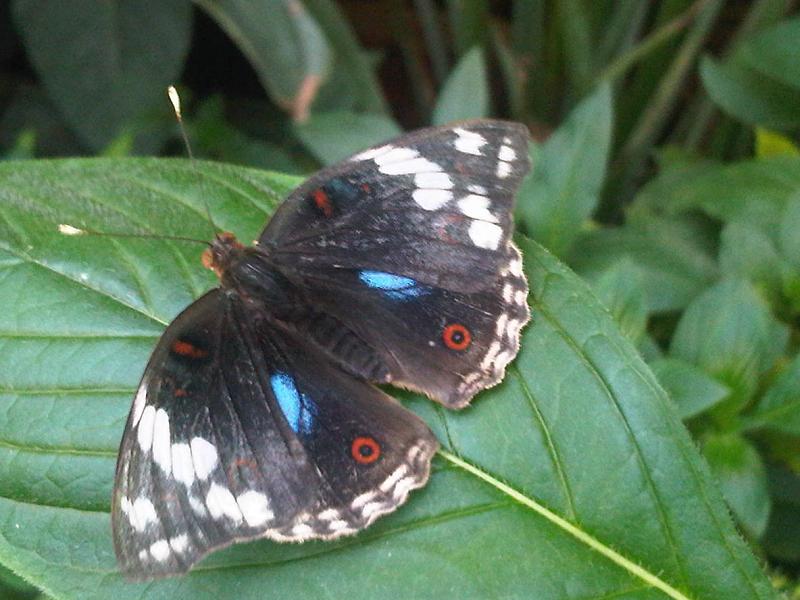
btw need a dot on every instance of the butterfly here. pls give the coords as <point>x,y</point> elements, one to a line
<point>257,415</point>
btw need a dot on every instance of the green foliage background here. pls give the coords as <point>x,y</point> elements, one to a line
<point>666,176</point>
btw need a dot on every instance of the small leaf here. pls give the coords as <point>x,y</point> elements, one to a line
<point>782,537</point>
<point>621,289</point>
<point>754,191</point>
<point>569,171</point>
<point>465,94</point>
<point>13,587</point>
<point>284,44</point>
<point>779,409</point>
<point>692,390</point>
<point>771,143</point>
<point>741,474</point>
<point>790,230</point>
<point>99,63</point>
<point>330,137</point>
<point>748,253</point>
<point>671,254</point>
<point>729,332</point>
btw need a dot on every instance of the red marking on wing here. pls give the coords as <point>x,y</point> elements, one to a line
<point>188,350</point>
<point>323,202</point>
<point>365,450</point>
<point>456,337</point>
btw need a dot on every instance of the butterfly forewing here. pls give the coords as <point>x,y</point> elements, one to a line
<point>435,205</point>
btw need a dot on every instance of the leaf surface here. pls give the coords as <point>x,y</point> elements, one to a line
<point>572,479</point>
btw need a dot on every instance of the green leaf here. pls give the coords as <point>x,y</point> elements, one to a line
<point>789,233</point>
<point>749,253</point>
<point>100,61</point>
<point>729,332</point>
<point>779,409</point>
<point>568,173</point>
<point>469,20</point>
<point>749,95</point>
<point>283,43</point>
<point>621,289</point>
<point>558,463</point>
<point>332,136</point>
<point>782,537</point>
<point>671,253</point>
<point>465,94</point>
<point>692,390</point>
<point>755,192</point>
<point>771,143</point>
<point>13,587</point>
<point>741,474</point>
<point>775,52</point>
<point>350,59</point>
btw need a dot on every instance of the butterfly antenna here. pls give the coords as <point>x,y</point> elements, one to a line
<point>175,100</point>
<point>66,229</point>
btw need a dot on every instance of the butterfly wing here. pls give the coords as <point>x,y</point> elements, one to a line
<point>434,205</point>
<point>238,432</point>
<point>407,245</point>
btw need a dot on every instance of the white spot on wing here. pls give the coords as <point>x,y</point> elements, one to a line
<point>485,235</point>
<point>410,167</point>
<point>468,142</point>
<point>501,324</point>
<point>254,507</point>
<point>437,181</point>
<point>476,207</point>
<point>144,431</point>
<point>179,543</point>
<point>503,169</point>
<point>139,403</point>
<point>204,457</point>
<point>506,153</point>
<point>221,503</point>
<point>395,155</point>
<point>141,513</point>
<point>182,465</point>
<point>302,530</point>
<point>431,199</point>
<point>162,447</point>
<point>160,550</point>
<point>371,153</point>
<point>477,189</point>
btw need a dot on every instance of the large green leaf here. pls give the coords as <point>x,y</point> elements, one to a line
<point>568,173</point>
<point>106,63</point>
<point>572,479</point>
<point>283,42</point>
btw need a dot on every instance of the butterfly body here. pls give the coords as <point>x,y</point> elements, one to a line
<point>257,415</point>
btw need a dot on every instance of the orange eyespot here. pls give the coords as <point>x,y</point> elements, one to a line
<point>188,350</point>
<point>456,337</point>
<point>323,202</point>
<point>365,450</point>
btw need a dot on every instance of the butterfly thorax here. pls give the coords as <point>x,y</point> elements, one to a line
<point>247,272</point>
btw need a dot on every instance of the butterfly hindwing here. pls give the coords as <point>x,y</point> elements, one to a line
<point>240,431</point>
<point>446,344</point>
<point>434,205</point>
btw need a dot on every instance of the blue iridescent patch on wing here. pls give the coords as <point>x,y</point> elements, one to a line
<point>295,406</point>
<point>396,287</point>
